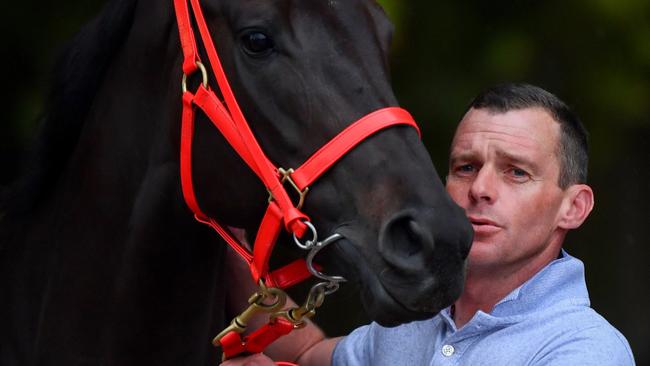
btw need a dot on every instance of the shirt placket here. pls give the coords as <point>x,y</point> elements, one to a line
<point>454,344</point>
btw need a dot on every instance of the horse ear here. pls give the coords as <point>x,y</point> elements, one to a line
<point>578,203</point>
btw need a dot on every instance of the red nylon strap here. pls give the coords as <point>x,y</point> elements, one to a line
<point>233,345</point>
<point>340,145</point>
<point>188,43</point>
<point>187,135</point>
<point>290,275</point>
<point>267,235</point>
<point>293,219</point>
<point>257,341</point>
<point>220,118</point>
<point>284,277</point>
<point>255,158</point>
<point>229,238</point>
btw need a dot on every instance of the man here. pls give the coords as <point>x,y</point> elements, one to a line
<point>518,167</point>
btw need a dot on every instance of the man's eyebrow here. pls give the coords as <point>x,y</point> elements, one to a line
<point>463,156</point>
<point>517,159</point>
<point>505,155</point>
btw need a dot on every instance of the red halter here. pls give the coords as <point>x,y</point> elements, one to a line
<point>281,212</point>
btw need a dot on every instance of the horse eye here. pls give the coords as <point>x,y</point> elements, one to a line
<point>257,44</point>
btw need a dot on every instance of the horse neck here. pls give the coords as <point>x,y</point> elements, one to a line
<point>125,143</point>
<point>126,152</point>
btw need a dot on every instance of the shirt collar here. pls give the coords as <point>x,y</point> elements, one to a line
<point>561,281</point>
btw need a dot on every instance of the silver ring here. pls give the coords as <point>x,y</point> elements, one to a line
<point>309,244</point>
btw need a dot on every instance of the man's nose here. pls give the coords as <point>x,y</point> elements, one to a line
<point>483,187</point>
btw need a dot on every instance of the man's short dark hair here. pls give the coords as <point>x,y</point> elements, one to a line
<point>573,147</point>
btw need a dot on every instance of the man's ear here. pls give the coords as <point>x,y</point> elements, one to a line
<point>578,203</point>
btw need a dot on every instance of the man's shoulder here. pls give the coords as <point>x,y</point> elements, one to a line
<point>564,334</point>
<point>572,317</point>
<point>579,333</point>
<point>596,342</point>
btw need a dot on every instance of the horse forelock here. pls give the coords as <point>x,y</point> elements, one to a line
<point>77,75</point>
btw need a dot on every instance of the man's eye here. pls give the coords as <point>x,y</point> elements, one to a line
<point>518,174</point>
<point>464,169</point>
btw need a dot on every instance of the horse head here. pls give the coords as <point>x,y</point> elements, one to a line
<point>302,72</point>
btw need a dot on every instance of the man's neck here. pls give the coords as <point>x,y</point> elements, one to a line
<point>482,294</point>
<point>484,288</point>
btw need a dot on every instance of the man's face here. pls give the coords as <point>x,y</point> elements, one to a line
<point>504,172</point>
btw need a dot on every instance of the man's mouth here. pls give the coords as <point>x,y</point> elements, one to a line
<point>484,226</point>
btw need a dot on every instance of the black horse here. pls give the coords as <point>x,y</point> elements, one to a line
<point>101,262</point>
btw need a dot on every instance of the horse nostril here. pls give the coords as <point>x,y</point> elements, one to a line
<point>415,235</point>
<point>405,242</point>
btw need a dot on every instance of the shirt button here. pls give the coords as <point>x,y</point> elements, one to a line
<point>448,350</point>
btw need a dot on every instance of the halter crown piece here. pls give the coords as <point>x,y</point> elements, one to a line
<point>281,212</point>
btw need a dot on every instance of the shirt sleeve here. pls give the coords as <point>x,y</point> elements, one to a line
<point>595,346</point>
<point>354,349</point>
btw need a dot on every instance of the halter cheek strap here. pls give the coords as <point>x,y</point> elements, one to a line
<point>281,213</point>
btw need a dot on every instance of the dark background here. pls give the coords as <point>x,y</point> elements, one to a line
<point>594,54</point>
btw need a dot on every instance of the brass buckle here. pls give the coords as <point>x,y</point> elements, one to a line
<point>286,176</point>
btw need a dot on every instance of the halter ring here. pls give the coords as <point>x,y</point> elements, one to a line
<point>204,76</point>
<point>309,244</point>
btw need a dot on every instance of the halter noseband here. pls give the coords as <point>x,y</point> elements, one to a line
<point>281,212</point>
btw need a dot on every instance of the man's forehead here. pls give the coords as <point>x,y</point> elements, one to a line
<point>518,136</point>
<point>526,127</point>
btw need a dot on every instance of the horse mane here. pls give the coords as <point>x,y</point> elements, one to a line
<point>78,74</point>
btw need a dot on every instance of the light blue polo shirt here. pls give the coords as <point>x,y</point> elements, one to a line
<point>545,321</point>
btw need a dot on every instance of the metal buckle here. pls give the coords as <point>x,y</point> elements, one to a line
<point>286,176</point>
<point>204,76</point>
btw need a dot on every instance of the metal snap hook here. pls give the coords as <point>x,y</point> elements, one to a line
<point>331,280</point>
<point>256,306</point>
